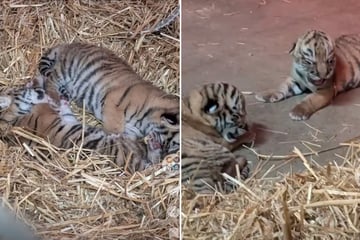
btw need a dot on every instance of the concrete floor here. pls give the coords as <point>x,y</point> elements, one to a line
<point>246,43</point>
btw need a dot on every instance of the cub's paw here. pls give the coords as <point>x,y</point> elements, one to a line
<point>300,113</point>
<point>269,96</point>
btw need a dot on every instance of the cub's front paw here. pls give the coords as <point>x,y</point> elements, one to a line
<point>269,96</point>
<point>300,112</point>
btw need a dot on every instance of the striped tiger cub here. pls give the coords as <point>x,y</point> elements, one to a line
<point>320,66</point>
<point>213,126</point>
<point>33,110</point>
<point>111,90</point>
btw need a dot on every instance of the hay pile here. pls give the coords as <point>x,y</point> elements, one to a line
<point>77,194</point>
<point>320,203</point>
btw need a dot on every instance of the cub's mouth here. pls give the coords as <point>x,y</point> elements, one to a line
<point>319,82</point>
<point>153,141</point>
<point>235,134</point>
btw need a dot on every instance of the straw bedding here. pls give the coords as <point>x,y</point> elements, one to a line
<point>77,194</point>
<point>322,202</point>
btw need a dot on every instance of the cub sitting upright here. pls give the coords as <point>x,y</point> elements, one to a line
<point>213,125</point>
<point>320,66</point>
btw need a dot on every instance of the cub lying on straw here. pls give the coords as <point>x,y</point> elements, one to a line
<point>213,126</point>
<point>32,109</point>
<point>97,79</point>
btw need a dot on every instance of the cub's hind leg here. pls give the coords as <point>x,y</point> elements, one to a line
<point>286,89</point>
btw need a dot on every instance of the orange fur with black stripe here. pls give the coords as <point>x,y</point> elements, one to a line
<point>322,67</point>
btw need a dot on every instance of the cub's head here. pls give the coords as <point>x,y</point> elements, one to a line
<point>314,58</point>
<point>220,106</point>
<point>19,102</point>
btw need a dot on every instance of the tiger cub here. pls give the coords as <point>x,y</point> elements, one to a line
<point>213,126</point>
<point>111,90</point>
<point>33,110</point>
<point>320,66</point>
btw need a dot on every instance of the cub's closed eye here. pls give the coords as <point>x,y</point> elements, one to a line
<point>171,118</point>
<point>211,106</point>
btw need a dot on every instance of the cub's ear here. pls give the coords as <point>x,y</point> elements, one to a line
<point>292,49</point>
<point>5,102</point>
